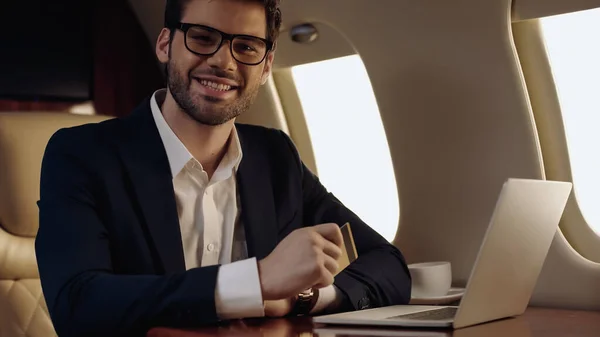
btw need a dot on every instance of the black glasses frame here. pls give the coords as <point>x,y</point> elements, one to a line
<point>184,27</point>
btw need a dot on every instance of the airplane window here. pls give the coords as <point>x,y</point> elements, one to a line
<point>350,147</point>
<point>573,44</point>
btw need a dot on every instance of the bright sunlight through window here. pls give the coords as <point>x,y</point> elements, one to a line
<point>351,150</point>
<point>573,43</point>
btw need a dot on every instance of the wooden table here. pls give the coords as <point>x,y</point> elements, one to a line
<point>536,322</point>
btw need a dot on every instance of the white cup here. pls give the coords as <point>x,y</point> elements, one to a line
<point>430,279</point>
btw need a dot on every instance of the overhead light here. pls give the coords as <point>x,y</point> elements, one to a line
<point>304,33</point>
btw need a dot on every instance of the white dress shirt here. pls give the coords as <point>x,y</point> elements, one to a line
<point>211,229</point>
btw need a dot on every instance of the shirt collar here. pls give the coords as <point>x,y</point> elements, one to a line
<point>232,158</point>
<point>179,155</point>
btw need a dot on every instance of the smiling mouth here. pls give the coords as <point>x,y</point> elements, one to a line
<point>216,86</point>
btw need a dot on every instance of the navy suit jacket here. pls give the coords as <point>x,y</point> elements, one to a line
<point>109,247</point>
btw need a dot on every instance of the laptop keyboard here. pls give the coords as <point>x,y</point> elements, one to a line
<point>430,315</point>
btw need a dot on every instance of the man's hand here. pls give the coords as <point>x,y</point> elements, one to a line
<point>279,308</point>
<point>307,258</point>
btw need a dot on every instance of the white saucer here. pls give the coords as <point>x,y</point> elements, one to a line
<point>454,294</point>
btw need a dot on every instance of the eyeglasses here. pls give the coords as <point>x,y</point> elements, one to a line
<point>206,41</point>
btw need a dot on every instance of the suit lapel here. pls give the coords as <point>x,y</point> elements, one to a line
<point>258,210</point>
<point>146,161</point>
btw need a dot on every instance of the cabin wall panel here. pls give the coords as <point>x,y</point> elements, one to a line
<point>535,9</point>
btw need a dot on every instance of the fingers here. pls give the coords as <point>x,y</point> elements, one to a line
<point>331,265</point>
<point>331,249</point>
<point>326,278</point>
<point>325,272</point>
<point>331,232</point>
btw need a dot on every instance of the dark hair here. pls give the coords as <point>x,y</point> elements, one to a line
<point>174,10</point>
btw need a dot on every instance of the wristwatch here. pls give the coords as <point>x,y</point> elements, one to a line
<point>305,302</point>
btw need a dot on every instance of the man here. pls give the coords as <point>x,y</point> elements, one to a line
<point>175,216</point>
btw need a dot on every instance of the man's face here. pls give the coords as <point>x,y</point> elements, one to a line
<point>215,89</point>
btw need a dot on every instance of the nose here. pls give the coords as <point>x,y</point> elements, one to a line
<point>223,59</point>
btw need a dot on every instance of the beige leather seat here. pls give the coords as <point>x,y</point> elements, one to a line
<point>23,139</point>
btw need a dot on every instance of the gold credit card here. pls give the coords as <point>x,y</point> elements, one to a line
<point>349,253</point>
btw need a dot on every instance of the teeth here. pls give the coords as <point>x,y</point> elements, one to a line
<point>215,86</point>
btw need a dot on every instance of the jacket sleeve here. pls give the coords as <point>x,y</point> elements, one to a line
<point>380,276</point>
<point>84,296</point>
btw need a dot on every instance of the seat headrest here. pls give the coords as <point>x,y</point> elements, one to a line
<point>23,139</point>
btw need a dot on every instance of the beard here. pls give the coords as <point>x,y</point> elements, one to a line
<point>208,110</point>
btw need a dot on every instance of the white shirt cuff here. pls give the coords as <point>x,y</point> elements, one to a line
<point>238,293</point>
<point>328,298</point>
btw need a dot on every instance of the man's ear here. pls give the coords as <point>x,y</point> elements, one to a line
<point>268,68</point>
<point>163,45</point>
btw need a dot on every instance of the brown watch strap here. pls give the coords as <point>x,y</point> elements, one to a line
<point>305,303</point>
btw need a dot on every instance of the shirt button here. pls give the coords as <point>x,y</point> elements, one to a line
<point>210,247</point>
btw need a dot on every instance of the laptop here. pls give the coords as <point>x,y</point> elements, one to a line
<point>510,259</point>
